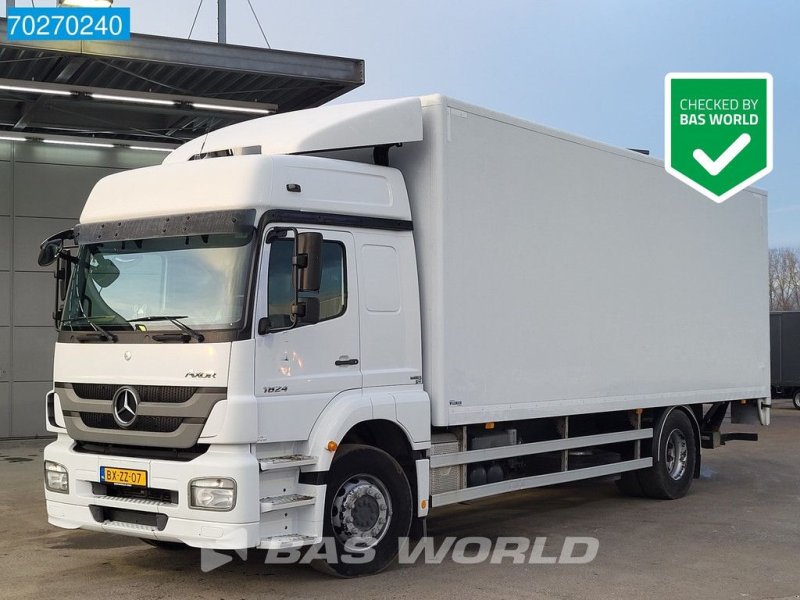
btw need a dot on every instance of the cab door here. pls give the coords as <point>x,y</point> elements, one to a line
<point>298,370</point>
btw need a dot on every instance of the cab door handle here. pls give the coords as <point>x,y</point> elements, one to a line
<point>343,361</point>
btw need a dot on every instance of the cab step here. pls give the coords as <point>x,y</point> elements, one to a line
<point>286,462</point>
<point>280,542</point>
<point>283,502</point>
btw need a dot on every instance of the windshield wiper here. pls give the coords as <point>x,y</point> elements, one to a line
<point>174,320</point>
<point>109,337</point>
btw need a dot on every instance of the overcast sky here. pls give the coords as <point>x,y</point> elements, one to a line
<point>591,67</point>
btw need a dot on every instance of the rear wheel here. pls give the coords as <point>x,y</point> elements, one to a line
<point>796,400</point>
<point>368,508</point>
<point>674,456</point>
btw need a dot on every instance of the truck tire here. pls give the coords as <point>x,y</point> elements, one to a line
<point>674,456</point>
<point>368,508</point>
<point>796,400</point>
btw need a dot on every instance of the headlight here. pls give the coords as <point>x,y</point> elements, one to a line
<point>56,478</point>
<point>212,493</point>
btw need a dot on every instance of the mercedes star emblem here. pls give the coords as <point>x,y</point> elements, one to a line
<point>125,403</point>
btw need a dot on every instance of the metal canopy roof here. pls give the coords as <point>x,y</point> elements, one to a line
<point>159,68</point>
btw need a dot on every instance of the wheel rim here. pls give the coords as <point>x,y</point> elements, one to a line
<point>677,454</point>
<point>361,512</point>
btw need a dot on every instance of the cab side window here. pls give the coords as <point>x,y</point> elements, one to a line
<point>280,292</point>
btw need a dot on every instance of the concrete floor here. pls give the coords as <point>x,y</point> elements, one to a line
<point>737,535</point>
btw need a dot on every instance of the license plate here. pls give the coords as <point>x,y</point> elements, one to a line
<point>131,477</point>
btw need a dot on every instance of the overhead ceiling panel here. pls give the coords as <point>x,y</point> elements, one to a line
<point>219,72</point>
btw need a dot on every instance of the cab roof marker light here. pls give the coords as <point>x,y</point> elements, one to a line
<point>133,99</point>
<point>71,143</point>
<point>239,109</point>
<point>34,90</point>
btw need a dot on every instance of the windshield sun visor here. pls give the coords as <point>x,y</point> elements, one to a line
<point>217,222</point>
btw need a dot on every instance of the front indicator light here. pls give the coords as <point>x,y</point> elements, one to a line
<point>56,477</point>
<point>212,493</point>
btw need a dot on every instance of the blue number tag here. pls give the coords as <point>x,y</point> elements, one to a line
<point>53,24</point>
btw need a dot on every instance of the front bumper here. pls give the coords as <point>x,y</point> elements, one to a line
<point>84,508</point>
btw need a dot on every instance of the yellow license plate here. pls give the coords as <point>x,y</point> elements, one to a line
<point>123,476</point>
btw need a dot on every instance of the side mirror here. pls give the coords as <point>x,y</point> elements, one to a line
<point>50,248</point>
<point>49,252</point>
<point>306,311</point>
<point>309,261</point>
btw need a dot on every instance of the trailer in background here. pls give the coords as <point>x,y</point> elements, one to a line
<point>784,344</point>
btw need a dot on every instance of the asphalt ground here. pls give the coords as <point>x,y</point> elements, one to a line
<point>736,535</point>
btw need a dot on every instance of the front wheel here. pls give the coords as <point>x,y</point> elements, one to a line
<point>368,508</point>
<point>796,400</point>
<point>674,458</point>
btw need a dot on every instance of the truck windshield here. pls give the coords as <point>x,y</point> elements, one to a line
<point>201,278</point>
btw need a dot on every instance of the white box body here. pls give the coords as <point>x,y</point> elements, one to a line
<point>562,276</point>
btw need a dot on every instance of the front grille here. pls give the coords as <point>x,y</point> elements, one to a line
<point>143,423</point>
<point>167,416</point>
<point>147,393</point>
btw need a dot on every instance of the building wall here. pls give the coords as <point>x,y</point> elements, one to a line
<point>42,191</point>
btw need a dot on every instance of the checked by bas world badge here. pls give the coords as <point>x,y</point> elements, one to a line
<point>718,130</point>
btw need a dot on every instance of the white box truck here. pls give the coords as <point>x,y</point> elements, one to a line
<point>326,323</point>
